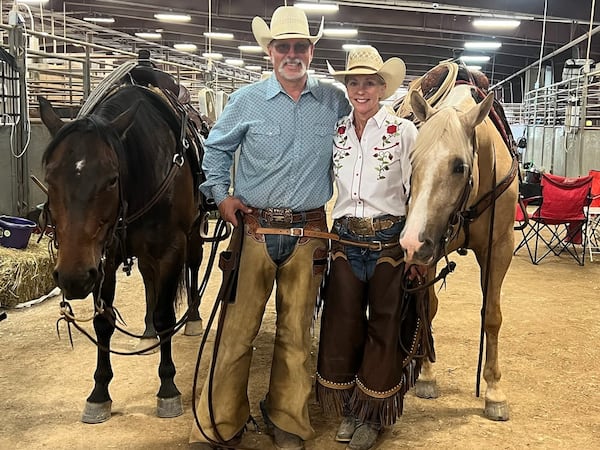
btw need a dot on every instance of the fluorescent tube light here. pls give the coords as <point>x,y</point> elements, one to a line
<point>171,17</point>
<point>482,45</point>
<point>474,67</point>
<point>474,59</point>
<point>148,35</point>
<point>217,35</point>
<point>185,47</point>
<point>235,61</point>
<point>212,55</point>
<point>318,7</point>
<point>253,67</point>
<point>32,2</point>
<point>340,32</point>
<point>496,23</point>
<point>349,47</point>
<point>250,48</point>
<point>100,19</point>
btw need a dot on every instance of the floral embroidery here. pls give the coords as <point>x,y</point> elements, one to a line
<point>340,149</point>
<point>385,158</point>
<point>391,131</point>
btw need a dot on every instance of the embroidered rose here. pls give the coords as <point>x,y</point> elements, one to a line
<point>341,130</point>
<point>391,129</point>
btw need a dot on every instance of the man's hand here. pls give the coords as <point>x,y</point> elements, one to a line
<point>417,273</point>
<point>228,208</point>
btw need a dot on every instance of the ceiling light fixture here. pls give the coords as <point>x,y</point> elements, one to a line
<point>267,57</point>
<point>172,17</point>
<point>474,67</point>
<point>505,24</point>
<point>340,32</point>
<point>185,47</point>
<point>217,35</point>
<point>318,7</point>
<point>253,67</point>
<point>474,58</point>
<point>32,2</point>
<point>212,55</point>
<point>235,61</point>
<point>148,35</point>
<point>349,47</point>
<point>250,48</point>
<point>482,45</point>
<point>99,19</point>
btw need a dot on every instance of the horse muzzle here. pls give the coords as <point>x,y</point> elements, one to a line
<point>76,284</point>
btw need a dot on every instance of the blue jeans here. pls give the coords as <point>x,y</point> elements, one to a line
<point>280,247</point>
<point>363,260</point>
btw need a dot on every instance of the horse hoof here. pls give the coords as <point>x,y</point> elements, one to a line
<point>426,389</point>
<point>144,345</point>
<point>193,328</point>
<point>496,410</point>
<point>96,412</point>
<point>169,407</point>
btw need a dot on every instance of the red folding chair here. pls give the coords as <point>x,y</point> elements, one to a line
<point>593,224</point>
<point>558,225</point>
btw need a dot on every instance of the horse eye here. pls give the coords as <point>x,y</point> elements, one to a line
<point>459,167</point>
<point>112,183</point>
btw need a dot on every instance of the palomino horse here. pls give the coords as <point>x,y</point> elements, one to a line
<point>463,195</point>
<point>122,183</point>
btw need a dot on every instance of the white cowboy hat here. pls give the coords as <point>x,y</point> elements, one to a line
<point>367,61</point>
<point>288,22</point>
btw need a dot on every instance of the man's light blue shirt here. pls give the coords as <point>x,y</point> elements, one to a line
<point>285,146</point>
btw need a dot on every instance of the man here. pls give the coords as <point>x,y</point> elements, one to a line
<point>283,126</point>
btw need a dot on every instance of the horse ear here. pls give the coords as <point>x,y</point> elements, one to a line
<point>479,112</point>
<point>49,116</point>
<point>125,120</point>
<point>420,107</point>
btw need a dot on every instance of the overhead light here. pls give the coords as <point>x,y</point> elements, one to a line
<point>474,67</point>
<point>253,67</point>
<point>496,23</point>
<point>32,2</point>
<point>349,47</point>
<point>235,61</point>
<point>474,59</point>
<point>212,55</point>
<point>267,57</point>
<point>217,35</point>
<point>482,45</point>
<point>172,17</point>
<point>148,35</point>
<point>185,47</point>
<point>340,32</point>
<point>318,7</point>
<point>99,19</point>
<point>250,48</point>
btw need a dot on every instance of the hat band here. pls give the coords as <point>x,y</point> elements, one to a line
<point>363,67</point>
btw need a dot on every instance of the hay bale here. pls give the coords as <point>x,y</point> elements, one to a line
<point>25,274</point>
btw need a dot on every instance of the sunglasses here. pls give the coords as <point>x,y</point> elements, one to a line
<point>283,48</point>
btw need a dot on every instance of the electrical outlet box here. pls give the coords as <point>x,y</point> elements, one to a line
<point>14,18</point>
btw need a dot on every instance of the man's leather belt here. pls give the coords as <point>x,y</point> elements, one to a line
<point>301,232</point>
<point>368,226</point>
<point>285,216</point>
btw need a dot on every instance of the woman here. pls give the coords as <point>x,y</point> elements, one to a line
<point>365,359</point>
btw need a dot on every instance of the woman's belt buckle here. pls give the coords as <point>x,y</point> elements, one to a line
<point>361,226</point>
<point>278,216</point>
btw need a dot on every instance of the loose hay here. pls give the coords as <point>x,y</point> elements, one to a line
<point>25,274</point>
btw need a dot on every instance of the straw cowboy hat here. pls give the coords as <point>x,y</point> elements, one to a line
<point>288,22</point>
<point>367,61</point>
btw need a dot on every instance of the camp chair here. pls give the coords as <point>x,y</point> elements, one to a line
<point>593,223</point>
<point>558,225</point>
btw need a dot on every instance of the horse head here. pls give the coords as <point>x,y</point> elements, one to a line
<point>444,172</point>
<point>82,172</point>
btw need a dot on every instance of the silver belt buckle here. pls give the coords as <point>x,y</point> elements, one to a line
<point>361,226</point>
<point>282,216</point>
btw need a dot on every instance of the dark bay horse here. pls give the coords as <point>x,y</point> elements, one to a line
<point>463,195</point>
<point>122,184</point>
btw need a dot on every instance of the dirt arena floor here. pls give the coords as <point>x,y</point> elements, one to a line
<point>549,355</point>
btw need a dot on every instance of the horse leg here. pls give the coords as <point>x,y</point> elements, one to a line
<point>162,281</point>
<point>193,326</point>
<point>496,405</point>
<point>98,404</point>
<point>149,338</point>
<point>426,385</point>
